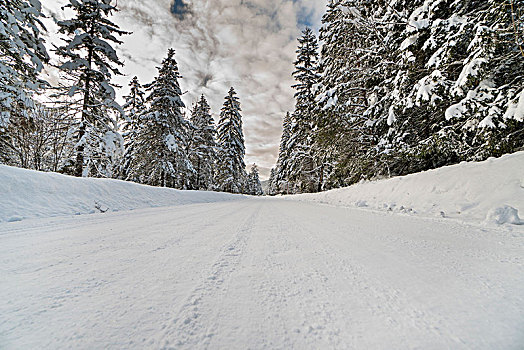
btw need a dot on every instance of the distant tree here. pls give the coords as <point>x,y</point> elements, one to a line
<point>40,140</point>
<point>272,187</point>
<point>281,177</point>
<point>231,176</point>
<point>254,185</point>
<point>203,147</point>
<point>89,61</point>
<point>134,108</point>
<point>159,155</point>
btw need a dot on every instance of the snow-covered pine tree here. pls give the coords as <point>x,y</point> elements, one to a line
<point>133,110</point>
<point>356,43</point>
<point>254,185</point>
<point>416,84</point>
<point>231,176</point>
<point>89,61</point>
<point>203,148</point>
<point>456,93</point>
<point>303,171</point>
<point>22,55</point>
<point>134,106</point>
<point>159,155</point>
<point>281,178</point>
<point>272,183</point>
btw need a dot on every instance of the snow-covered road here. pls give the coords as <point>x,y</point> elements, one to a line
<point>259,274</point>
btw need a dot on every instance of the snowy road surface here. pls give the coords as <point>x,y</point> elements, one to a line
<point>259,274</point>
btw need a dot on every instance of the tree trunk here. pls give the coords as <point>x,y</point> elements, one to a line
<point>321,180</point>
<point>198,175</point>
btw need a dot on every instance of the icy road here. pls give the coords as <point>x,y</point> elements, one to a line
<point>259,274</point>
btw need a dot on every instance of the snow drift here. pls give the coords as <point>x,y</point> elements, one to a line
<point>30,194</point>
<point>491,191</point>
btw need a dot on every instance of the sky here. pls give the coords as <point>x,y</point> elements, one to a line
<point>247,44</point>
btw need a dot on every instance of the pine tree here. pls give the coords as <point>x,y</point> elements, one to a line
<point>89,60</point>
<point>254,185</point>
<point>160,157</point>
<point>354,55</point>
<point>232,174</point>
<point>134,108</point>
<point>458,84</point>
<point>203,148</point>
<point>281,179</point>
<point>22,55</point>
<point>302,164</point>
<point>411,85</point>
<point>272,187</point>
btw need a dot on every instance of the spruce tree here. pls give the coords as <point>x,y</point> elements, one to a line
<point>22,55</point>
<point>89,60</point>
<point>159,157</point>
<point>302,164</point>
<point>272,183</point>
<point>134,108</point>
<point>231,176</point>
<point>457,87</point>
<point>354,55</point>
<point>417,84</point>
<point>254,185</point>
<point>281,178</point>
<point>203,148</point>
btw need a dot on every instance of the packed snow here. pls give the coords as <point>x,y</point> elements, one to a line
<point>489,192</point>
<point>234,272</point>
<point>32,194</point>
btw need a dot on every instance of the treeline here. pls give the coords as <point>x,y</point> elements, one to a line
<point>81,130</point>
<point>398,87</point>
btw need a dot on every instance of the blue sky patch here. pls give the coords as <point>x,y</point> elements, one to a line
<point>180,9</point>
<point>305,17</point>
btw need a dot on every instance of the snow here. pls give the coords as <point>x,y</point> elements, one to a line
<point>436,58</point>
<point>425,88</point>
<point>31,194</point>
<point>391,115</point>
<point>471,69</point>
<point>408,42</point>
<point>455,111</point>
<point>473,192</point>
<point>504,214</point>
<point>237,272</point>
<point>258,274</point>
<point>516,109</point>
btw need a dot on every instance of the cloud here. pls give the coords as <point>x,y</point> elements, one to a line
<point>248,44</point>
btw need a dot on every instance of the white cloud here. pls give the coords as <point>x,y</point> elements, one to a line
<point>248,44</point>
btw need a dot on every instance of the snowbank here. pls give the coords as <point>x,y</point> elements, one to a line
<point>30,194</point>
<point>491,191</point>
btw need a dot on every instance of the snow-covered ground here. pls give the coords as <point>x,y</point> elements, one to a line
<point>236,272</point>
<point>490,192</point>
<point>31,194</point>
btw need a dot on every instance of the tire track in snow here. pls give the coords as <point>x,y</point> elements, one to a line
<point>67,265</point>
<point>388,306</point>
<point>257,307</point>
<point>196,322</point>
